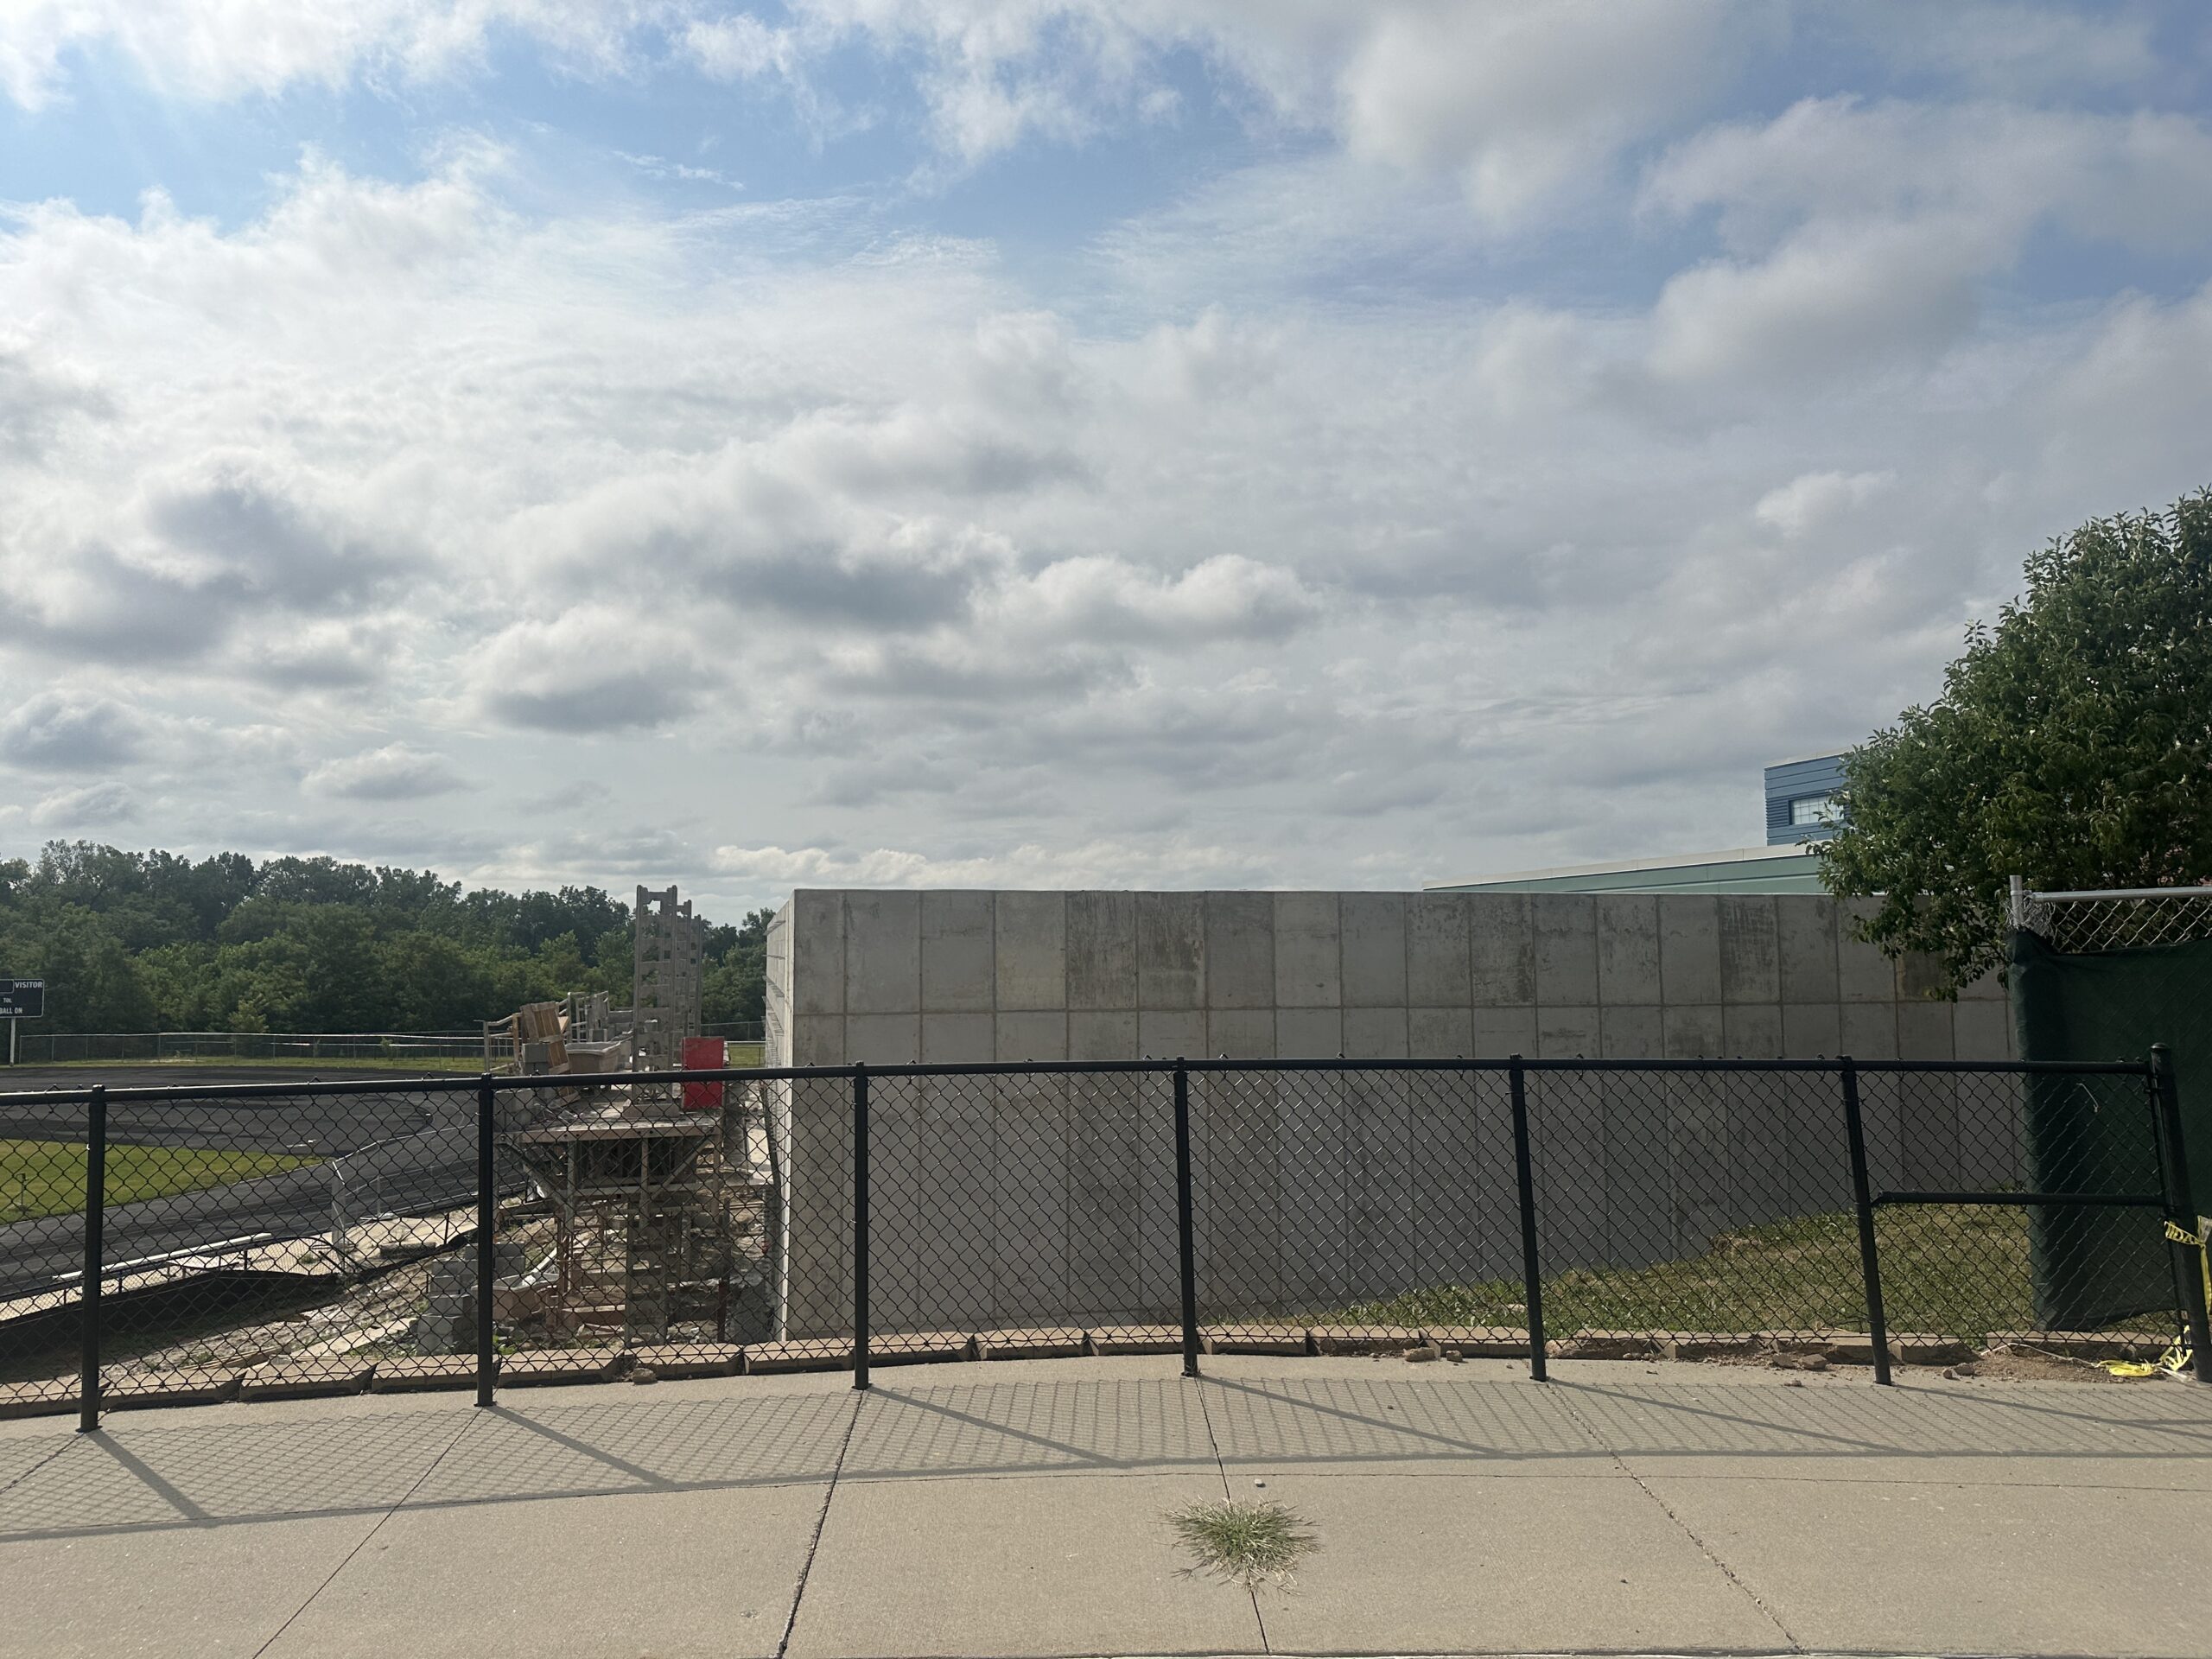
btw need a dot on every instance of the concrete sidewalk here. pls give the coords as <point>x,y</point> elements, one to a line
<point>1017,1510</point>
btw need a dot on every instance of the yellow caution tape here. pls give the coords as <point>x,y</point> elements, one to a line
<point>2181,1235</point>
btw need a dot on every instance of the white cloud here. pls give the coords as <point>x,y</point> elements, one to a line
<point>591,670</point>
<point>1813,501</point>
<point>1289,533</point>
<point>1094,864</point>
<point>95,806</point>
<point>394,772</point>
<point>65,731</point>
<point>241,46</point>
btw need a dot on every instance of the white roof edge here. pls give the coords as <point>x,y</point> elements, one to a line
<point>1624,866</point>
<point>1800,760</point>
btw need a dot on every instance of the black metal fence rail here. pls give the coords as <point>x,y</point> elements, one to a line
<point>486,1231</point>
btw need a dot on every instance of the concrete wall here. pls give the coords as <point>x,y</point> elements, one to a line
<point>1311,1191</point>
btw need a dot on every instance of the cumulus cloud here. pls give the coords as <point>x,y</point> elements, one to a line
<point>95,806</point>
<point>68,731</point>
<point>267,46</point>
<point>395,773</point>
<point>589,671</point>
<point>1303,525</point>
<point>1095,864</point>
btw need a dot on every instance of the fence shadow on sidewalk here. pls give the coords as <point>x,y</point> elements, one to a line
<point>157,1477</point>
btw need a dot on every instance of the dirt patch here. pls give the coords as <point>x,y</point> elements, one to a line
<point>2017,1362</point>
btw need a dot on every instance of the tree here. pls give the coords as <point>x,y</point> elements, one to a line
<point>2072,746</point>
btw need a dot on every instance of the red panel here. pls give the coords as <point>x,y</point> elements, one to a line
<point>703,1054</point>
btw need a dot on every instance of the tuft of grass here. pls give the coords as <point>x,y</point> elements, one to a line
<point>1246,1544</point>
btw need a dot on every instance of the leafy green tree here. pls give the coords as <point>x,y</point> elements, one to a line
<point>736,987</point>
<point>92,983</point>
<point>2072,746</point>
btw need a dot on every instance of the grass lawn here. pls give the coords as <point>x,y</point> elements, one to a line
<point>1952,1270</point>
<point>47,1178</point>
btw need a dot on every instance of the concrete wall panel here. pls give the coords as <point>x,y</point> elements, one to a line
<point>1693,1032</point>
<point>958,1039</point>
<point>1501,1033</point>
<point>1030,951</point>
<point>817,981</point>
<point>1628,948</point>
<point>883,1038</point>
<point>1375,1033</point>
<point>1241,1033</point>
<point>1443,1034</point>
<point>1690,948</point>
<point>1102,949</point>
<point>883,952</point>
<point>1752,1032</point>
<point>1436,951</point>
<point>1374,929</point>
<point>1567,949</point>
<point>1502,944</point>
<point>1171,951</point>
<point>1309,1034</point>
<point>1812,1030</point>
<point>1750,962</point>
<point>1564,1033</point>
<point>1805,944</point>
<point>1309,952</point>
<point>1863,973</point>
<point>957,970</point>
<point>1103,1034</point>
<point>1164,1035</point>
<point>1239,957</point>
<point>1346,1186</point>
<point>1033,1035</point>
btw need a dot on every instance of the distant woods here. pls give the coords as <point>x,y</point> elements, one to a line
<point>149,940</point>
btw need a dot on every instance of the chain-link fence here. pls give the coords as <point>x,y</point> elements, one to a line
<point>2110,972</point>
<point>264,1240</point>
<point>2133,918</point>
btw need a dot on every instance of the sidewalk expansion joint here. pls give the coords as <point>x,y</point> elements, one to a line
<point>1221,1469</point>
<point>466,1423</point>
<point>821,1520</point>
<point>1687,1531</point>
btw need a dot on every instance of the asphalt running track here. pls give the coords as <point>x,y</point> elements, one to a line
<point>412,1151</point>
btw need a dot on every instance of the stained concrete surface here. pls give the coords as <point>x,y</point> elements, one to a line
<point>1019,1509</point>
<point>1635,1168</point>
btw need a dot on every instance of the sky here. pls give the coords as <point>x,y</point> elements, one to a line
<point>1163,443</point>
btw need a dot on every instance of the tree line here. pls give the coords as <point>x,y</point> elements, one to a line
<point>129,941</point>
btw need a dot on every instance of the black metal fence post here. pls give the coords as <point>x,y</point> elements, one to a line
<point>487,1204</point>
<point>1862,1201</point>
<point>1524,1173</point>
<point>2181,1208</point>
<point>859,1227</point>
<point>88,1312</point>
<point>1186,1227</point>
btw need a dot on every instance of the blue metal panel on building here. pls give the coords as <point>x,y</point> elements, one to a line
<point>1796,793</point>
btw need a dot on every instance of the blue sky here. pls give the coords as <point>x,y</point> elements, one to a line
<point>1049,441</point>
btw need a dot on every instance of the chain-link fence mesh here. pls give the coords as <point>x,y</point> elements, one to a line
<point>2082,924</point>
<point>42,1174</point>
<point>2021,1268</point>
<point>270,1241</point>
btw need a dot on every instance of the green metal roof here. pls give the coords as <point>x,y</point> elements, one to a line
<point>1749,870</point>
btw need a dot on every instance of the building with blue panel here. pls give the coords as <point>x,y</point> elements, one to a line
<point>1801,798</point>
<point>1800,810</point>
